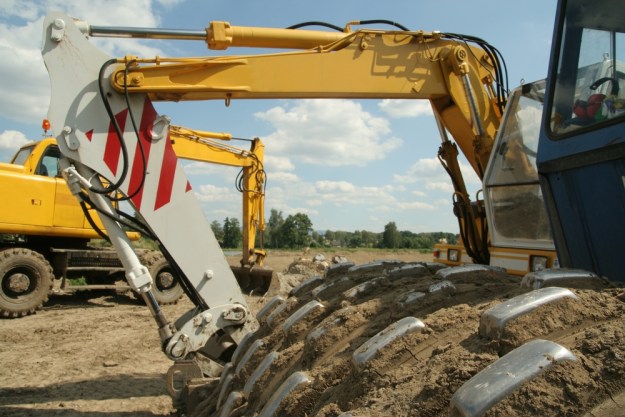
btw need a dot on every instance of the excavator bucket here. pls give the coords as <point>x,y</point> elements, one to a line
<point>253,279</point>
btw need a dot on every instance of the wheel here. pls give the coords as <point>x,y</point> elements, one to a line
<point>390,339</point>
<point>166,288</point>
<point>26,282</point>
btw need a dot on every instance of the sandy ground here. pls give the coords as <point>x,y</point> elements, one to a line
<point>98,353</point>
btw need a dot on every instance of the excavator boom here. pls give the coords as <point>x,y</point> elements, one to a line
<point>107,128</point>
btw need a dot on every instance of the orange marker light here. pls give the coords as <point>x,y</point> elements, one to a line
<point>45,125</point>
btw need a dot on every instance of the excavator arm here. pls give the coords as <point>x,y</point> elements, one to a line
<point>102,114</point>
<point>212,147</point>
<point>460,76</point>
<point>455,76</point>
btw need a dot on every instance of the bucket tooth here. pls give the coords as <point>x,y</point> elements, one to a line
<point>370,348</point>
<point>259,372</point>
<point>264,312</point>
<point>571,278</point>
<point>494,320</point>
<point>296,381</point>
<point>502,377</point>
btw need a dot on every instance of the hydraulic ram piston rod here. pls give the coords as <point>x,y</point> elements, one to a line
<point>221,35</point>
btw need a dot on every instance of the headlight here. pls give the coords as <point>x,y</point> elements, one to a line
<point>453,255</point>
<point>538,263</point>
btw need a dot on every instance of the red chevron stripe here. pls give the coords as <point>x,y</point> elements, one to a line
<point>113,143</point>
<point>166,180</point>
<point>138,168</point>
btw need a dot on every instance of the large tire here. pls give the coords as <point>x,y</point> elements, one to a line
<point>166,288</point>
<point>308,350</point>
<point>26,282</point>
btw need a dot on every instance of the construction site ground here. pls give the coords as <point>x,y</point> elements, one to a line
<point>98,354</point>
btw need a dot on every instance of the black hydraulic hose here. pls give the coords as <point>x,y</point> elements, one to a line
<point>177,272</point>
<point>112,187</point>
<point>136,130</point>
<point>184,282</point>
<point>499,65</point>
<point>139,226</point>
<point>316,23</point>
<point>92,223</point>
<point>360,22</point>
<point>129,225</point>
<point>384,22</point>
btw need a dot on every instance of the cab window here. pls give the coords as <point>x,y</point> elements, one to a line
<point>590,82</point>
<point>22,155</point>
<point>49,165</point>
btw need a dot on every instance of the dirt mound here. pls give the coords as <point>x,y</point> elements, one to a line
<point>318,346</point>
<point>99,353</point>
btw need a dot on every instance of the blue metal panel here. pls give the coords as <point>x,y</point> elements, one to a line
<point>589,203</point>
<point>582,168</point>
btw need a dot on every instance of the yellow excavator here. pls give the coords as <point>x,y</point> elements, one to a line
<point>114,134</point>
<point>45,233</point>
<point>196,145</point>
<point>460,75</point>
<point>94,96</point>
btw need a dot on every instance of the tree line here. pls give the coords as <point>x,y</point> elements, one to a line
<point>296,231</point>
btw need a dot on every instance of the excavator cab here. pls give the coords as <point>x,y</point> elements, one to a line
<point>581,154</point>
<point>512,191</point>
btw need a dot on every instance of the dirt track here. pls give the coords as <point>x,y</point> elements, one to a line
<point>98,354</point>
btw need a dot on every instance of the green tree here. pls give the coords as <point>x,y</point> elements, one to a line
<point>342,238</point>
<point>273,229</point>
<point>369,239</point>
<point>318,239</point>
<point>330,237</point>
<point>218,230</point>
<point>296,230</point>
<point>232,233</point>
<point>355,240</point>
<point>391,238</point>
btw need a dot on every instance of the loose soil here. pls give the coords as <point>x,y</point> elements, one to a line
<point>99,355</point>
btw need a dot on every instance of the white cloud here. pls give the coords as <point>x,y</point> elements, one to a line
<point>423,168</point>
<point>427,177</point>
<point>416,205</point>
<point>445,186</point>
<point>24,83</point>
<point>282,177</point>
<point>343,193</point>
<point>23,9</point>
<point>278,163</point>
<point>334,186</point>
<point>12,139</point>
<point>328,132</point>
<point>137,13</point>
<point>405,108</point>
<point>213,193</point>
<point>210,169</point>
<point>169,3</point>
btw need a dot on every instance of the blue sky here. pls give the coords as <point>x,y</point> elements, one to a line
<point>349,165</point>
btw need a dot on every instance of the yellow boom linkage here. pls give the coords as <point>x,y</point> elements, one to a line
<point>452,72</point>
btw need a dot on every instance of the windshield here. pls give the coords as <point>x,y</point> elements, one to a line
<point>590,83</point>
<point>513,195</point>
<point>22,155</point>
